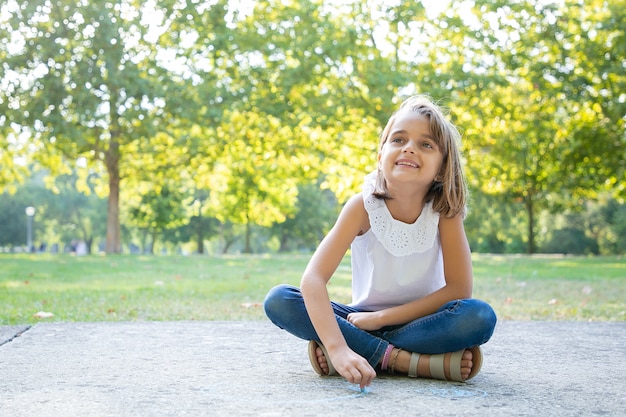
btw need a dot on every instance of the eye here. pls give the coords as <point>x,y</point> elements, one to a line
<point>397,140</point>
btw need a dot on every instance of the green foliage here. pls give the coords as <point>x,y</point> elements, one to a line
<point>74,215</point>
<point>154,104</point>
<point>84,80</point>
<point>493,224</point>
<point>13,219</point>
<point>541,132</point>
<point>62,213</point>
<point>316,211</point>
<point>571,241</point>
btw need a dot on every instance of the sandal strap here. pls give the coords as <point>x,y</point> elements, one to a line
<point>413,364</point>
<point>477,361</point>
<point>435,364</point>
<point>455,365</point>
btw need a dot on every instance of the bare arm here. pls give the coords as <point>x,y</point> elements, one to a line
<point>351,222</point>
<point>457,265</point>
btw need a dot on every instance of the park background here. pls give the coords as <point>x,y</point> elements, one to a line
<point>241,127</point>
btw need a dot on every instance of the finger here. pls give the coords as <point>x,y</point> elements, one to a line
<point>368,376</point>
<point>366,381</point>
<point>357,378</point>
<point>364,374</point>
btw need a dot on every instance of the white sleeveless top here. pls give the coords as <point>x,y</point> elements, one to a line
<point>394,263</point>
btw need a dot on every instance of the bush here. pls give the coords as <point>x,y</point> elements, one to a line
<point>571,241</point>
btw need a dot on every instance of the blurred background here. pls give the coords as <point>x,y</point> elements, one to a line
<point>212,126</point>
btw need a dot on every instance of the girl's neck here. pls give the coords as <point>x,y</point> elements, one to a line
<point>406,207</point>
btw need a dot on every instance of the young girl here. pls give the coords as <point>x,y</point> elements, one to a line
<point>411,311</point>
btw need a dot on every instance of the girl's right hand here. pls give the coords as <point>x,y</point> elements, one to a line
<point>369,321</point>
<point>353,367</point>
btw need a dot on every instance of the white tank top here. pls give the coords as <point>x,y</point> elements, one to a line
<point>394,263</point>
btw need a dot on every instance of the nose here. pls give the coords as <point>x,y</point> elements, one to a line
<point>409,147</point>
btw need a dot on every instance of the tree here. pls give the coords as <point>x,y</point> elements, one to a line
<point>316,211</point>
<point>535,134</point>
<point>13,219</point>
<point>244,106</point>
<point>246,188</point>
<point>84,81</point>
<point>75,214</point>
<point>158,211</point>
<point>12,173</point>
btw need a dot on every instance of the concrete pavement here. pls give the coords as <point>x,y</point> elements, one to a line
<point>255,369</point>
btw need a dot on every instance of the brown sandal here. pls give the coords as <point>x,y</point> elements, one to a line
<point>313,345</point>
<point>436,364</point>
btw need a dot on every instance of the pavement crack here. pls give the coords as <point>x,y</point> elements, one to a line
<point>15,336</point>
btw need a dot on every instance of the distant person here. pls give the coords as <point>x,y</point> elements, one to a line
<point>411,311</point>
<point>81,248</point>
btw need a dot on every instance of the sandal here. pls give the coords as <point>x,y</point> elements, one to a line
<point>313,345</point>
<point>436,363</point>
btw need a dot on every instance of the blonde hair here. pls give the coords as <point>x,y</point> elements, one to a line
<point>449,191</point>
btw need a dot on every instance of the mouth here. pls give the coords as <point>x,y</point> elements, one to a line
<point>407,163</point>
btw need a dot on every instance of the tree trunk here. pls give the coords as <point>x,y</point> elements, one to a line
<point>284,238</point>
<point>247,248</point>
<point>112,159</point>
<point>200,235</point>
<point>530,210</point>
<point>153,238</point>
<point>112,153</point>
<point>200,241</point>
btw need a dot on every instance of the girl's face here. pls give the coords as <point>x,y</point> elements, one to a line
<point>410,152</point>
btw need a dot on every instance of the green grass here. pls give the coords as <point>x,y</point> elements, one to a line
<point>130,288</point>
<point>552,287</point>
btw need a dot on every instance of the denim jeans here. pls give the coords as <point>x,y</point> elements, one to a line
<point>458,324</point>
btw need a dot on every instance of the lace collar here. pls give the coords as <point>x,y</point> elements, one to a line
<point>399,238</point>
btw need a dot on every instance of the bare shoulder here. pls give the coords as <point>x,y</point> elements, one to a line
<point>452,233</point>
<point>339,238</point>
<point>451,222</point>
<point>354,214</point>
<point>355,203</point>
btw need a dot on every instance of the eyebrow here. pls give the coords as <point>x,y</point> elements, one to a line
<point>402,131</point>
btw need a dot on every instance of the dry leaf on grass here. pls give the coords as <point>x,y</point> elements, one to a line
<point>43,315</point>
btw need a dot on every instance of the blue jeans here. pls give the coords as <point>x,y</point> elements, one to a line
<point>458,324</point>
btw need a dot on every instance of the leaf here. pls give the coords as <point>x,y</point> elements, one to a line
<point>43,315</point>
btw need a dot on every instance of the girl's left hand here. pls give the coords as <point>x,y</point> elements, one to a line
<point>365,321</point>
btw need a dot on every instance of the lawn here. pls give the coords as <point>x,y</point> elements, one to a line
<point>130,288</point>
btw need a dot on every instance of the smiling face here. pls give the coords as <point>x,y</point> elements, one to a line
<point>420,152</point>
<point>410,154</point>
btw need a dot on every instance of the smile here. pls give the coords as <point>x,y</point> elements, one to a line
<point>407,163</point>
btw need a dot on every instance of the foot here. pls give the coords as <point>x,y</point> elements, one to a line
<point>321,360</point>
<point>423,364</point>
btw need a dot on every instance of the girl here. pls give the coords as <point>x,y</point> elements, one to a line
<point>411,310</point>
